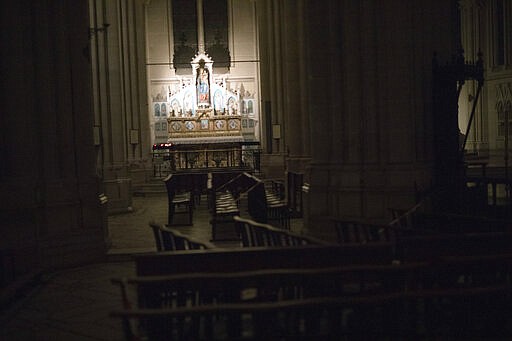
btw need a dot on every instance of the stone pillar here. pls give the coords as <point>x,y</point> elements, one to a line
<point>51,215</point>
<point>271,17</point>
<point>120,94</point>
<point>363,116</point>
<point>200,27</point>
<point>370,103</point>
<point>295,109</point>
<point>472,13</point>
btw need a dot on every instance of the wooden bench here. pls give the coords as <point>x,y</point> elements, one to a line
<point>180,202</point>
<point>348,231</point>
<point>424,243</point>
<point>223,209</point>
<point>357,317</point>
<point>353,300</point>
<point>259,258</point>
<point>197,293</point>
<point>257,234</point>
<point>415,248</point>
<point>169,239</point>
<point>459,223</point>
<point>239,184</point>
<point>267,207</point>
<point>223,199</point>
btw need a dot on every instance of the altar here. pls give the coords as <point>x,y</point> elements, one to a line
<point>209,124</point>
<point>204,110</point>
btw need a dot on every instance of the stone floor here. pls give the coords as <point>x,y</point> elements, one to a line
<point>74,304</point>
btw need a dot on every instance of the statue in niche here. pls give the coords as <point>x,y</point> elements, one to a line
<point>188,103</point>
<point>203,85</point>
<point>175,108</point>
<point>217,101</point>
<point>231,106</point>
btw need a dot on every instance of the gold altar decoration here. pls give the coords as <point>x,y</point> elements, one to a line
<point>204,124</point>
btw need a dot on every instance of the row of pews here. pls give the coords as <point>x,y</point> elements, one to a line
<point>224,190</point>
<point>378,281</point>
<point>325,297</point>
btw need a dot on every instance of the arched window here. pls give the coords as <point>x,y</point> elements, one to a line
<point>185,32</point>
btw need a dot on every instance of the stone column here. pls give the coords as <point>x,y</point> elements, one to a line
<point>200,27</point>
<point>271,17</point>
<point>51,213</point>
<point>365,115</point>
<point>295,109</point>
<point>370,97</point>
<point>472,13</point>
<point>121,118</point>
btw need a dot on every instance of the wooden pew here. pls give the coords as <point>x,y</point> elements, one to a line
<point>232,290</point>
<point>180,199</point>
<point>459,223</point>
<point>267,207</point>
<point>354,300</point>
<point>257,234</point>
<point>415,248</point>
<point>224,208</point>
<point>258,258</point>
<point>169,239</point>
<point>348,231</point>
<point>303,319</point>
<point>360,317</point>
<point>418,244</point>
<point>240,183</point>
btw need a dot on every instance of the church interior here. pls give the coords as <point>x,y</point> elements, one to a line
<point>256,169</point>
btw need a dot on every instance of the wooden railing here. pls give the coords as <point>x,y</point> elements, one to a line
<point>167,161</point>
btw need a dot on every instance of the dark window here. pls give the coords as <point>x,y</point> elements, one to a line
<point>184,19</point>
<point>215,14</point>
<point>215,23</point>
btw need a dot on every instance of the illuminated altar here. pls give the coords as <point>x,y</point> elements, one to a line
<point>206,123</point>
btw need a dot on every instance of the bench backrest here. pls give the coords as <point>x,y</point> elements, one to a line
<point>257,202</point>
<point>257,258</point>
<point>198,288</point>
<point>361,233</point>
<point>414,248</point>
<point>254,234</point>
<point>169,239</point>
<point>374,298</point>
<point>458,223</point>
